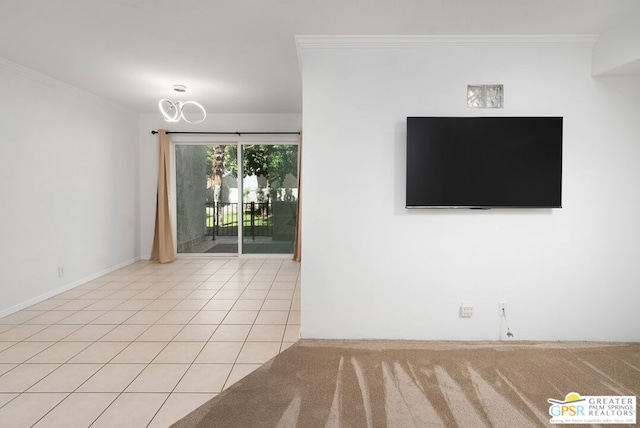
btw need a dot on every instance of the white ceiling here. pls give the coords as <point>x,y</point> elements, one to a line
<point>239,56</point>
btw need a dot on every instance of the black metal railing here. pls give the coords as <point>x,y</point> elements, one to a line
<point>222,219</point>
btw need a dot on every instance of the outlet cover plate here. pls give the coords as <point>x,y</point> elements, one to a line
<point>466,310</point>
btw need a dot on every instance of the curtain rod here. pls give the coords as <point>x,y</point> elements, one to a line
<point>231,133</point>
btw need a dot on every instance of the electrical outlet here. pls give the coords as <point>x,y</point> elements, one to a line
<point>502,309</point>
<point>466,310</point>
<point>60,271</point>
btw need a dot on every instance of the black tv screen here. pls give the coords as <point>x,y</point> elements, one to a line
<point>484,162</point>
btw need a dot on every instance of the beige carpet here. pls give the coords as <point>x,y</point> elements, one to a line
<point>420,384</point>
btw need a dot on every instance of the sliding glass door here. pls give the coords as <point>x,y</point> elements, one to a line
<point>218,213</point>
<point>206,198</point>
<point>270,194</point>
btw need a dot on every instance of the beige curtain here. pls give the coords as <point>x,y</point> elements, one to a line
<point>297,243</point>
<point>162,249</point>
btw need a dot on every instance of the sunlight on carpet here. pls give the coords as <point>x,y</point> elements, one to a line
<point>419,384</point>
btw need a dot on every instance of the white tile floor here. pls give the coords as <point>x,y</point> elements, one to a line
<point>145,345</point>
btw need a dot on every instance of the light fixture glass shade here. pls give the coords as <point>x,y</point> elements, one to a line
<point>175,111</point>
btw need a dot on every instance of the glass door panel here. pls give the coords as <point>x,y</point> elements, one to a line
<point>270,194</point>
<point>206,199</point>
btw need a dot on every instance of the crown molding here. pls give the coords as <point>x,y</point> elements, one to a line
<point>43,79</point>
<point>394,42</point>
<point>415,42</point>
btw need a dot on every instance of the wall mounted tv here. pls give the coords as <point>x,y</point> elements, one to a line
<point>484,162</point>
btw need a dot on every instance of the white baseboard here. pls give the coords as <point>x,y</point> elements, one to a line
<point>66,287</point>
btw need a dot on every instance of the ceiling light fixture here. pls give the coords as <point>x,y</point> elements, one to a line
<point>189,111</point>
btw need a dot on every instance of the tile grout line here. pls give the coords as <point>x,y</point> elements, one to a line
<point>224,384</point>
<point>151,278</point>
<point>86,380</point>
<point>195,358</point>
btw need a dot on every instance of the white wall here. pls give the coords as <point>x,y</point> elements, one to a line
<point>617,51</point>
<point>148,152</point>
<point>372,269</point>
<point>68,187</point>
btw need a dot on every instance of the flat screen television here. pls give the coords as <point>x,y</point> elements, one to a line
<point>484,162</point>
